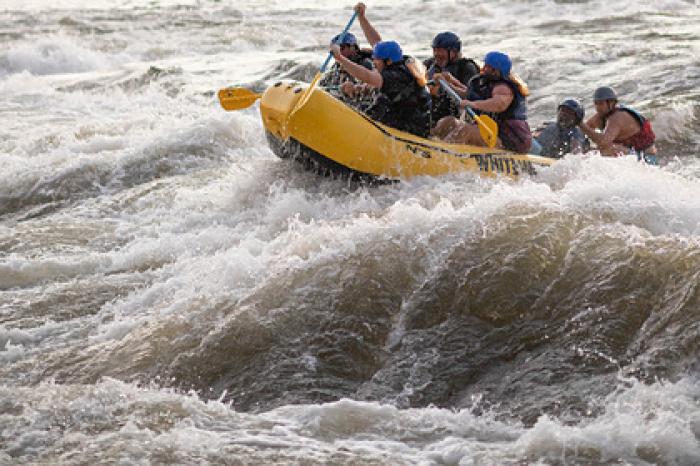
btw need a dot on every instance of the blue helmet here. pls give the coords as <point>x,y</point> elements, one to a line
<point>447,40</point>
<point>499,61</point>
<point>348,39</point>
<point>387,50</point>
<point>574,105</point>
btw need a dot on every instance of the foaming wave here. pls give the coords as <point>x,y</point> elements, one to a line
<point>244,243</point>
<point>18,272</point>
<point>88,163</point>
<point>657,423</point>
<point>652,424</point>
<point>676,123</point>
<point>650,197</point>
<point>16,343</point>
<point>52,56</point>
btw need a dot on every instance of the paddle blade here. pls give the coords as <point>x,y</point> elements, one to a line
<point>237,98</point>
<point>488,129</point>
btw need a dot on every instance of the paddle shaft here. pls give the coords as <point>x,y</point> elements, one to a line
<point>340,41</point>
<point>454,96</point>
<point>309,90</point>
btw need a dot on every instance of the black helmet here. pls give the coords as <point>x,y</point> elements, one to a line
<point>574,105</point>
<point>447,40</point>
<point>604,93</point>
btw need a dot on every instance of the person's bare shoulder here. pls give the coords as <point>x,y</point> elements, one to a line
<point>621,118</point>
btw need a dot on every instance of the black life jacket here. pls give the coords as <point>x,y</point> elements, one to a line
<point>365,54</point>
<point>513,129</point>
<point>402,103</point>
<point>481,88</point>
<point>463,69</point>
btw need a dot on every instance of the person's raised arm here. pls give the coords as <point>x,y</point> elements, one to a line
<point>371,34</point>
<point>371,77</point>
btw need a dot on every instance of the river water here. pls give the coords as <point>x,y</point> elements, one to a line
<point>173,293</point>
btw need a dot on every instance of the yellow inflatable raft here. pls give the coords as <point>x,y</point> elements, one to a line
<point>328,136</point>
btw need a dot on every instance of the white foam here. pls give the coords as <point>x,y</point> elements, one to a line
<point>285,228</point>
<point>674,122</point>
<point>640,423</point>
<point>51,56</point>
<point>20,272</point>
<point>654,423</point>
<point>650,197</point>
<point>16,343</point>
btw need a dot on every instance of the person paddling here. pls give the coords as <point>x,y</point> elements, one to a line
<point>623,129</point>
<point>403,101</point>
<point>350,49</point>
<point>448,63</point>
<point>501,95</point>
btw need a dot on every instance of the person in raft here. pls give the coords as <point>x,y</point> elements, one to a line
<point>349,48</point>
<point>402,102</point>
<point>496,92</point>
<point>557,138</point>
<point>623,129</point>
<point>448,63</point>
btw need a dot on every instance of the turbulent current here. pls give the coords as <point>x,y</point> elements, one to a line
<point>173,293</point>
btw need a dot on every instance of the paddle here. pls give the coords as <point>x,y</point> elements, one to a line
<point>309,90</point>
<point>237,98</point>
<point>488,128</point>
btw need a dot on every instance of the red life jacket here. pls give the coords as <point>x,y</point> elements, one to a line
<point>644,138</point>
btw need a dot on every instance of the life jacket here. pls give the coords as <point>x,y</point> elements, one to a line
<point>364,58</point>
<point>463,69</point>
<point>513,129</point>
<point>641,140</point>
<point>481,88</point>
<point>402,102</point>
<point>365,53</point>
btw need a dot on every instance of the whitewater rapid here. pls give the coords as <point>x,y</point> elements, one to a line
<point>172,292</point>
